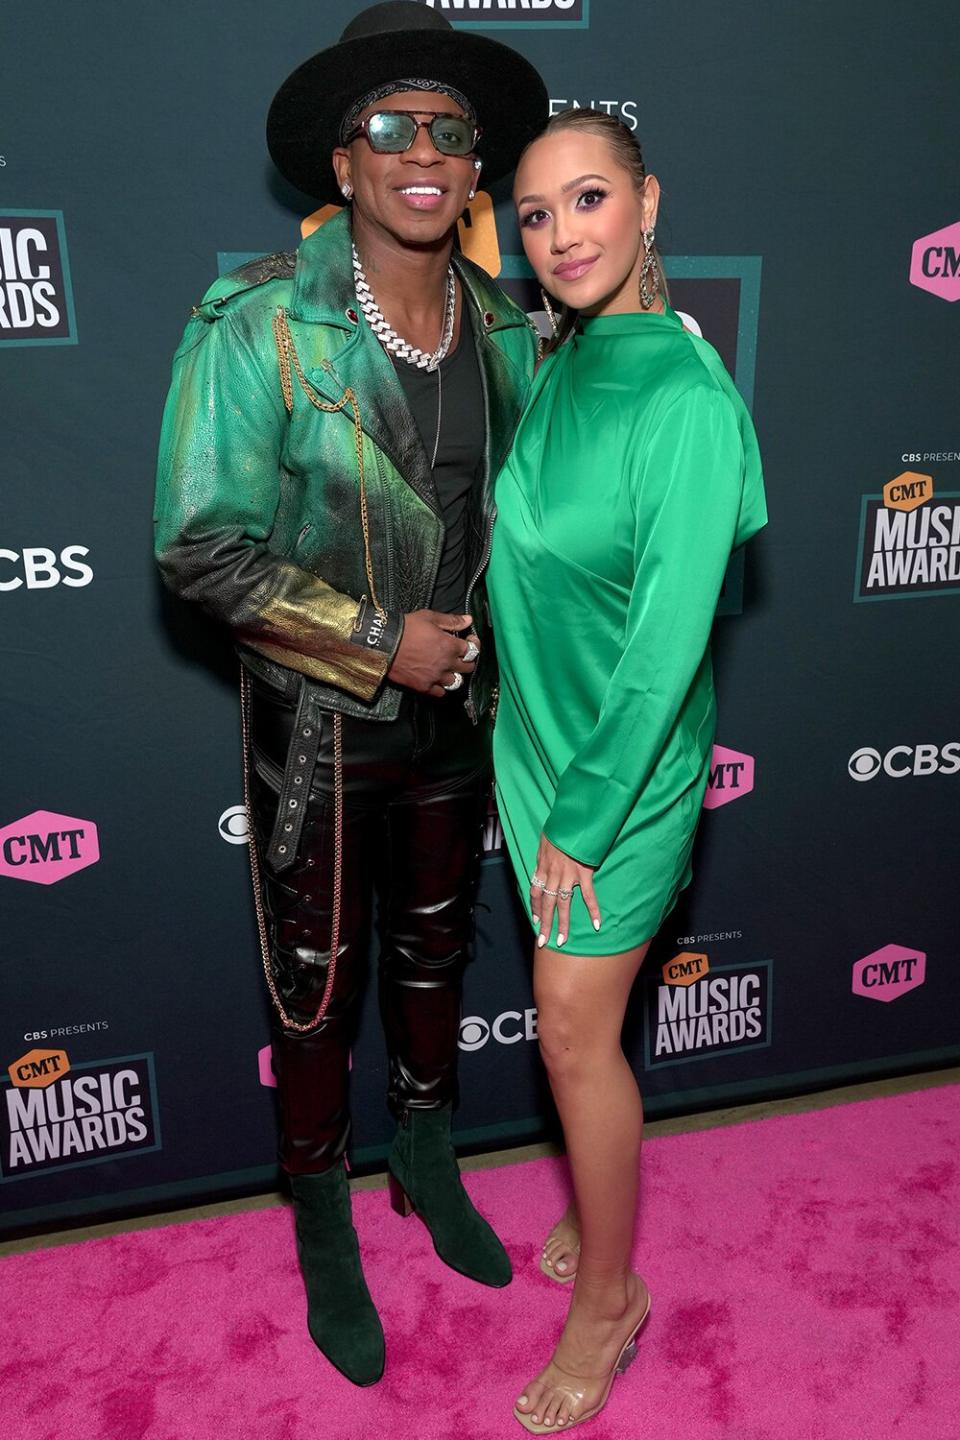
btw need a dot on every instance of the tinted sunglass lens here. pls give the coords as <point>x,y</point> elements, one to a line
<point>452,134</point>
<point>390,133</point>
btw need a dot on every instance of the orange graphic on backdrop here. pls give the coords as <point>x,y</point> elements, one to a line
<point>38,1069</point>
<point>684,968</point>
<point>477,228</point>
<point>908,491</point>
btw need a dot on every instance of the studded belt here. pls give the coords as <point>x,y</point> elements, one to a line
<point>295,786</point>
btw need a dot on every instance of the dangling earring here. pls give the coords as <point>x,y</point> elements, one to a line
<point>649,272</point>
<point>346,189</point>
<point>552,315</point>
<point>473,188</point>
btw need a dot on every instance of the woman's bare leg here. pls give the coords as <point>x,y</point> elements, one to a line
<point>581,1003</point>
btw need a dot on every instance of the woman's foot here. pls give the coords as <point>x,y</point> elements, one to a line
<point>561,1249</point>
<point>595,1346</point>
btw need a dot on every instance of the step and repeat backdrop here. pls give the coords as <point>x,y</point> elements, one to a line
<point>811,224</point>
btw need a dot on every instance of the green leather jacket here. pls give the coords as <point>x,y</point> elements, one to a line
<point>258,513</point>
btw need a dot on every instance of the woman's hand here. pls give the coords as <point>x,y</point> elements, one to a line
<point>555,877</point>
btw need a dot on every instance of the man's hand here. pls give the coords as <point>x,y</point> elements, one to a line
<point>431,653</point>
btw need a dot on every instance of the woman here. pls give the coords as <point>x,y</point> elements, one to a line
<point>633,475</point>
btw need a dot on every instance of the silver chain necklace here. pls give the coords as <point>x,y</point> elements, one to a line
<point>396,344</point>
<point>385,332</point>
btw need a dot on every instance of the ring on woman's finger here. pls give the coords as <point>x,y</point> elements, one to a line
<point>549,892</point>
<point>564,894</point>
<point>536,882</point>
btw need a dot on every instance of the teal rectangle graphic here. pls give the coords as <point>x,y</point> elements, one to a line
<point>514,14</point>
<point>53,1136</point>
<point>35,284</point>
<point>883,594</point>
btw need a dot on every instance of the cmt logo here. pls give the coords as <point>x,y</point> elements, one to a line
<point>507,1029</point>
<point>684,968</point>
<point>935,262</point>
<point>38,1069</point>
<point>44,847</point>
<point>38,568</point>
<point>731,776</point>
<point>902,760</point>
<point>522,14</point>
<point>890,972</point>
<point>907,491</point>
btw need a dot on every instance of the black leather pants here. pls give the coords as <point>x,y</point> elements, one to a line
<point>413,792</point>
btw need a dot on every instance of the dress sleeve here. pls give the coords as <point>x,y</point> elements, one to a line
<point>687,485</point>
<point>218,488</point>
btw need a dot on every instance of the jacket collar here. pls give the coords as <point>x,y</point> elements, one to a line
<point>323,294</point>
<point>323,290</point>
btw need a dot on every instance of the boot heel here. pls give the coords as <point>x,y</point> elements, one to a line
<point>399,1199</point>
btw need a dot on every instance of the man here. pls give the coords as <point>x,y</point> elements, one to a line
<point>334,427</point>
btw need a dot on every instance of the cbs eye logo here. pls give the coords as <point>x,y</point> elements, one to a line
<point>902,760</point>
<point>507,1029</point>
<point>233,825</point>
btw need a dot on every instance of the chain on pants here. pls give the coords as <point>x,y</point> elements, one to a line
<point>413,792</point>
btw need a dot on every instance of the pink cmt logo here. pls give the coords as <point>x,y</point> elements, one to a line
<point>265,1066</point>
<point>45,847</point>
<point>889,972</point>
<point>731,775</point>
<point>935,262</point>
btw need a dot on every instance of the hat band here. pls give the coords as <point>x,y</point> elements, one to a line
<point>394,88</point>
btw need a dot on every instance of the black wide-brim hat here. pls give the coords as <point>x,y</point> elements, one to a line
<point>397,40</point>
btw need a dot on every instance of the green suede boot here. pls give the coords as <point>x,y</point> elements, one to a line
<point>341,1317</point>
<point>425,1177</point>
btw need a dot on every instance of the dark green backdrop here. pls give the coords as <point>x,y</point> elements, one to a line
<point>803,150</point>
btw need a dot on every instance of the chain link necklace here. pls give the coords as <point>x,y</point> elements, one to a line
<point>396,344</point>
<point>385,332</point>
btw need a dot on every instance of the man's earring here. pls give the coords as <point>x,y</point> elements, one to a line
<point>346,190</point>
<point>649,273</point>
<point>477,164</point>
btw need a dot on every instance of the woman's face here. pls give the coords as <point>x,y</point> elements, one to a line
<point>582,221</point>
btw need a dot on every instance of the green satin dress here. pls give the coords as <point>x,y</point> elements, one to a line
<point>634,474</point>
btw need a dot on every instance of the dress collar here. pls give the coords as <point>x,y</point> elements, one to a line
<point>635,322</point>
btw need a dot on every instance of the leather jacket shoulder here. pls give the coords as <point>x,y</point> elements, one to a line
<point>258,513</point>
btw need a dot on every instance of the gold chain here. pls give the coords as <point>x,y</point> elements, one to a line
<point>289,1024</point>
<point>287,353</point>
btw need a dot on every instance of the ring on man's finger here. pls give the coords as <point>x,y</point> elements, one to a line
<point>471,652</point>
<point>456,682</point>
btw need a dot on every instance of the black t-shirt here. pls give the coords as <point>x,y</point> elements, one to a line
<point>460,454</point>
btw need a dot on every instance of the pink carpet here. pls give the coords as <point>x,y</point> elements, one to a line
<point>805,1275</point>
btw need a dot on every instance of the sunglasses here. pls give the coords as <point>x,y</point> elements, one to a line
<point>390,132</point>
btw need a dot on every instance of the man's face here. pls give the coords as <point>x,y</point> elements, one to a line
<point>418,195</point>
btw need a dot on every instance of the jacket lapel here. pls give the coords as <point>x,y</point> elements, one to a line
<point>323,295</point>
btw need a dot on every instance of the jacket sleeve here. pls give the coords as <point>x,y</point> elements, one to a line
<point>218,489</point>
<point>687,485</point>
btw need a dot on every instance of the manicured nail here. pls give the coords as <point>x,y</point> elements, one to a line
<point>596,924</point>
<point>521,1399</point>
<point>560,939</point>
<point>536,919</point>
<point>541,941</point>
